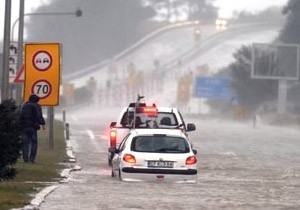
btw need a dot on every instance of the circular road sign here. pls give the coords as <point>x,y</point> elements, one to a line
<point>42,88</point>
<point>42,60</point>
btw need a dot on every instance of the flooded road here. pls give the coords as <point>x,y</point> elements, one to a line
<point>239,167</point>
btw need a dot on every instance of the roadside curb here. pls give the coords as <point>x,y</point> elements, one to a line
<point>39,198</point>
<point>65,175</point>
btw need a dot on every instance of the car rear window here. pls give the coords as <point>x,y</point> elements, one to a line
<point>162,120</point>
<point>160,144</point>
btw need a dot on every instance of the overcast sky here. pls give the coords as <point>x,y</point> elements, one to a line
<point>226,8</point>
<point>30,6</point>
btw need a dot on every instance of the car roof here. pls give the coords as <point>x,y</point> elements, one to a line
<point>166,109</point>
<point>159,109</point>
<point>169,132</point>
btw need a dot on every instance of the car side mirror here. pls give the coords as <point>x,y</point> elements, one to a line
<point>195,151</point>
<point>191,127</point>
<point>113,150</point>
<point>113,124</point>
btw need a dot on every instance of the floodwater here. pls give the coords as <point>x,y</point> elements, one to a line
<point>239,167</point>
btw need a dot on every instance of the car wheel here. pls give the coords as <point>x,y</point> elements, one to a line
<point>120,177</point>
<point>109,161</point>
<point>112,172</point>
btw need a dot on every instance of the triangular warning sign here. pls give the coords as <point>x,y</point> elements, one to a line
<point>20,75</point>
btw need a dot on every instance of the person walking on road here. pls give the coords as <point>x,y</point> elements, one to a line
<point>31,120</point>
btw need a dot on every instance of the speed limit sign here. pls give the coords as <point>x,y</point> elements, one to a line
<point>42,72</point>
<point>42,88</point>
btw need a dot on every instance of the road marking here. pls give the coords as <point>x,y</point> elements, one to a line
<point>74,118</point>
<point>94,141</point>
<point>91,134</point>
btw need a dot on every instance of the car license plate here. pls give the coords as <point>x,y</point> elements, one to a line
<point>160,164</point>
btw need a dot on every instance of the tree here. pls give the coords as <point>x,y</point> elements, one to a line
<point>201,10</point>
<point>251,92</point>
<point>167,9</point>
<point>291,34</point>
<point>10,139</point>
<point>266,14</point>
<point>195,9</point>
<point>291,31</point>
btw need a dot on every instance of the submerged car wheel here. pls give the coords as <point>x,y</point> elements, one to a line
<point>120,176</point>
<point>112,173</point>
<point>109,160</point>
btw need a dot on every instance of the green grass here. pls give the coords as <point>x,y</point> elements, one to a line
<point>19,191</point>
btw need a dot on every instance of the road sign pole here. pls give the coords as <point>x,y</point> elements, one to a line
<point>20,51</point>
<point>42,66</point>
<point>6,43</point>
<point>282,95</point>
<point>51,126</point>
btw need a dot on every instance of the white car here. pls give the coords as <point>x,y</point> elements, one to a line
<point>155,155</point>
<point>221,22</point>
<point>146,117</point>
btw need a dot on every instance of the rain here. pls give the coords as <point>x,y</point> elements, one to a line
<point>192,55</point>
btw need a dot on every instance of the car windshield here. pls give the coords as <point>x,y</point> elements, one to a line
<point>160,144</point>
<point>160,120</point>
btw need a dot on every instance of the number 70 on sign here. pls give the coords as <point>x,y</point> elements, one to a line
<point>42,88</point>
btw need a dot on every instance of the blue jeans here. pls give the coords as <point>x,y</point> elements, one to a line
<point>30,144</point>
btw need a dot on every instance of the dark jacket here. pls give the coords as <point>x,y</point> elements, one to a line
<point>31,114</point>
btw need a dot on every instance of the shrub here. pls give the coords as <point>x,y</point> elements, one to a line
<point>10,139</point>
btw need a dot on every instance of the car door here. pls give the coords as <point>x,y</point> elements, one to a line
<point>118,155</point>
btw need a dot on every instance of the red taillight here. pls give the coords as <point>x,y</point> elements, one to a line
<point>129,158</point>
<point>113,138</point>
<point>191,160</point>
<point>148,110</point>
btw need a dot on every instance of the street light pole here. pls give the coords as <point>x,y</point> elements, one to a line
<point>6,38</point>
<point>77,13</point>
<point>20,50</point>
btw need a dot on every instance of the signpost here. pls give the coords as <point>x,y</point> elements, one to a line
<point>42,77</point>
<point>213,87</point>
<point>13,60</point>
<point>20,76</point>
<point>275,61</point>
<point>1,65</point>
<point>279,62</point>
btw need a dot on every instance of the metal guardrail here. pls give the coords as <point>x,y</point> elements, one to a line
<point>190,54</point>
<point>100,66</point>
<point>129,50</point>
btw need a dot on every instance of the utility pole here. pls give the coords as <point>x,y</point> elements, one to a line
<point>20,50</point>
<point>6,43</point>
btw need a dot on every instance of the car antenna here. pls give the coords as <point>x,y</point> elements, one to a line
<point>137,104</point>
